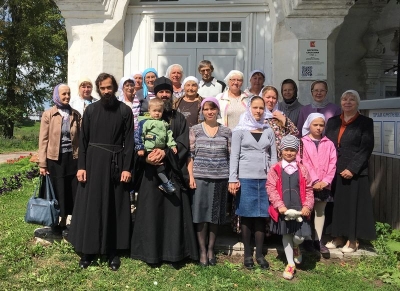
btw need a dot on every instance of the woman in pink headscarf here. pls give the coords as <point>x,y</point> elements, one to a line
<point>58,151</point>
<point>208,168</point>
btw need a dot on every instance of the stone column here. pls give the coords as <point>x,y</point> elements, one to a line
<point>304,19</point>
<point>372,68</point>
<point>372,62</point>
<point>95,30</point>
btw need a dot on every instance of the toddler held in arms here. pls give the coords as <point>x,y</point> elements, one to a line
<point>154,133</point>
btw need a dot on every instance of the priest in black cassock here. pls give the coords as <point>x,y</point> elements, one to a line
<point>102,220</point>
<point>163,228</point>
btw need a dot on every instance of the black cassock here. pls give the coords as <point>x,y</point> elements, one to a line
<point>163,229</point>
<point>101,221</point>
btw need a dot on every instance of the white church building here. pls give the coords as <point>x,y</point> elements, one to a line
<point>355,40</point>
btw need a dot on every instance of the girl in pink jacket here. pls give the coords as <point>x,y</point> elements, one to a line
<point>318,155</point>
<point>289,188</point>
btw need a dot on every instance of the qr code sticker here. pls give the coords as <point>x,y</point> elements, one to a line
<point>306,71</point>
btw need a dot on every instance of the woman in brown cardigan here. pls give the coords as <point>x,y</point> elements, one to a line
<point>189,104</point>
<point>58,150</point>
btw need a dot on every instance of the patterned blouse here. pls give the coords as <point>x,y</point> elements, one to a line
<point>281,131</point>
<point>210,154</point>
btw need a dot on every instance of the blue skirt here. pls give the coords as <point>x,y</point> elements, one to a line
<point>252,199</point>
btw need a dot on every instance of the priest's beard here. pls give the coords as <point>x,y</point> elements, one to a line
<point>109,101</point>
<point>168,105</point>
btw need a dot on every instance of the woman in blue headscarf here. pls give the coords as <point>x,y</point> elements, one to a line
<point>149,76</point>
<point>58,151</point>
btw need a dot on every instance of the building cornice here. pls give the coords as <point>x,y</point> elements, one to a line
<point>88,9</point>
<point>316,8</point>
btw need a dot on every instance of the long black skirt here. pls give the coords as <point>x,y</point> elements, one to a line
<point>63,178</point>
<point>163,228</point>
<point>353,215</point>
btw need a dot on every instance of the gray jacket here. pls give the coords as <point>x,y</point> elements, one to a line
<point>251,159</point>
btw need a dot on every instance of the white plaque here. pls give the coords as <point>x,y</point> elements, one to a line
<point>313,59</point>
<point>388,137</point>
<point>377,136</point>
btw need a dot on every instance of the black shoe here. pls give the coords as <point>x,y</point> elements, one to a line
<point>212,262</point>
<point>115,263</point>
<point>57,230</point>
<point>248,263</point>
<point>85,261</point>
<point>308,246</point>
<point>263,263</point>
<point>65,232</point>
<point>203,264</point>
<point>322,248</point>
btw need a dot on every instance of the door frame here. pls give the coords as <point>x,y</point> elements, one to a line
<point>257,48</point>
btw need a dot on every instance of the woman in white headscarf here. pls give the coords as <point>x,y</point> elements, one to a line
<point>233,101</point>
<point>138,78</point>
<point>280,124</point>
<point>84,97</point>
<point>257,79</point>
<point>253,152</point>
<point>189,105</point>
<point>128,96</point>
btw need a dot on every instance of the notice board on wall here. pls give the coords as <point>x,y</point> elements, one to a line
<point>313,59</point>
<point>386,132</point>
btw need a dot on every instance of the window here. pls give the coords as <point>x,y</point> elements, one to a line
<point>212,31</point>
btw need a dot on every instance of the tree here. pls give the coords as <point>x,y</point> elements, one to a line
<point>33,57</point>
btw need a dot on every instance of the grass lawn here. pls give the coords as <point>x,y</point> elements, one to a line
<point>25,265</point>
<point>26,138</point>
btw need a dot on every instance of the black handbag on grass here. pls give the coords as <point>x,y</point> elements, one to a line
<point>43,211</point>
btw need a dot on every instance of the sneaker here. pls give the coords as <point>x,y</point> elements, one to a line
<point>297,256</point>
<point>289,272</point>
<point>308,245</point>
<point>337,242</point>
<point>167,187</point>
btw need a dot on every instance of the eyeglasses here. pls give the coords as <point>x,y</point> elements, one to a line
<point>318,91</point>
<point>236,80</point>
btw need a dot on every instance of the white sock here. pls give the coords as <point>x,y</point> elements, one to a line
<point>287,240</point>
<point>319,219</point>
<point>297,240</point>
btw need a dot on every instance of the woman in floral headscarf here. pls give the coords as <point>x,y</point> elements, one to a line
<point>58,150</point>
<point>280,124</point>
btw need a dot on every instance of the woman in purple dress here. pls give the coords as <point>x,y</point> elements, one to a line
<point>320,104</point>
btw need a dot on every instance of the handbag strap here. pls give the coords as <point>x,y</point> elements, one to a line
<point>38,186</point>
<point>49,189</point>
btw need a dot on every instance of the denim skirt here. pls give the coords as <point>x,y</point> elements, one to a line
<point>252,199</point>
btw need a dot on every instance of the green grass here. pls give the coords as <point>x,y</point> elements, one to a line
<point>25,265</point>
<point>26,136</point>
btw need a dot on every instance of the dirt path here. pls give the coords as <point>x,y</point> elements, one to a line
<point>10,156</point>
